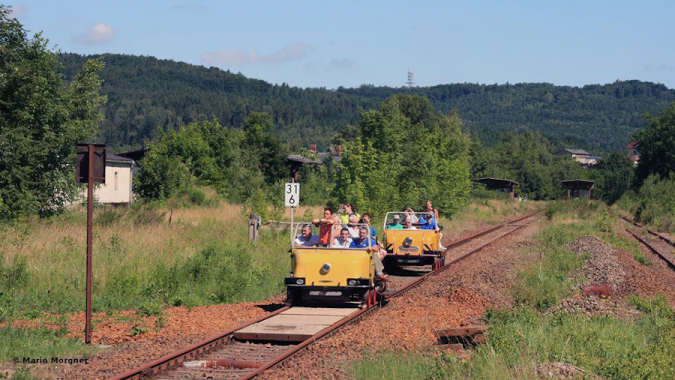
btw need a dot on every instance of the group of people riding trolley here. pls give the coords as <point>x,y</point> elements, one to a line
<point>347,229</point>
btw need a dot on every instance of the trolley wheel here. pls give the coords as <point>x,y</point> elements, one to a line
<point>381,286</point>
<point>371,297</point>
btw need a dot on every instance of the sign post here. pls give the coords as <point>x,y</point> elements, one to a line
<point>90,169</point>
<point>292,200</point>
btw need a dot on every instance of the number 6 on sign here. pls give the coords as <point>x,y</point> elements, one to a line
<point>292,194</point>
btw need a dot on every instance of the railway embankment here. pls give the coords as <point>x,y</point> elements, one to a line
<point>589,302</point>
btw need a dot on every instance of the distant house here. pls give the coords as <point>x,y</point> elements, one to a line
<point>580,156</point>
<point>117,188</point>
<point>633,153</point>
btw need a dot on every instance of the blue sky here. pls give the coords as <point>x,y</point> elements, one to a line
<point>350,43</point>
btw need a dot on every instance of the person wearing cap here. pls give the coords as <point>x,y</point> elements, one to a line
<point>395,223</point>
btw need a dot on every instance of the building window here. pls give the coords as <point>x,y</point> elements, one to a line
<point>116,181</point>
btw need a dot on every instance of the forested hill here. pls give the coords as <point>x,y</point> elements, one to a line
<point>145,93</point>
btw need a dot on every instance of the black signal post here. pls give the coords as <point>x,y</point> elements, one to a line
<point>90,168</point>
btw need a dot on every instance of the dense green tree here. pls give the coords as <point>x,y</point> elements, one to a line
<point>402,155</point>
<point>265,147</point>
<point>613,176</point>
<point>656,144</point>
<point>656,202</point>
<point>145,92</point>
<point>41,120</point>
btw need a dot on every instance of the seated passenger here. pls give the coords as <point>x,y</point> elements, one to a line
<point>365,219</point>
<point>353,228</point>
<point>329,221</point>
<point>306,239</point>
<point>428,222</point>
<point>409,225</point>
<point>343,241</point>
<point>364,241</point>
<point>395,223</point>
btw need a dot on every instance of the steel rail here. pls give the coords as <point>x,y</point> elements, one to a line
<point>175,359</point>
<point>668,261</point>
<point>658,235</point>
<point>487,231</point>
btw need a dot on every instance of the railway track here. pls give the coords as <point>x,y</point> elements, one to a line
<point>248,350</point>
<point>668,258</point>
<point>661,236</point>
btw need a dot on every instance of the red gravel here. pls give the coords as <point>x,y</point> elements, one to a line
<point>183,327</point>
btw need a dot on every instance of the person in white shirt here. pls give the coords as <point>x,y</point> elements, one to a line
<point>409,225</point>
<point>343,241</point>
<point>352,226</point>
<point>307,239</point>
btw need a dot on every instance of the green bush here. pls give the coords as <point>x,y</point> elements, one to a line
<point>657,203</point>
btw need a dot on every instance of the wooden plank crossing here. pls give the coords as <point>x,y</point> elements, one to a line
<point>293,325</point>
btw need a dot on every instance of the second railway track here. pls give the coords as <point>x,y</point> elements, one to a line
<point>250,349</point>
<point>662,248</point>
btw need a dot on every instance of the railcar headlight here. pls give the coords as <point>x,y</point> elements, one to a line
<point>325,268</point>
<point>300,281</point>
<point>407,242</point>
<point>351,282</point>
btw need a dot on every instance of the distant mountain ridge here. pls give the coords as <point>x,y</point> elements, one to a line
<point>145,93</point>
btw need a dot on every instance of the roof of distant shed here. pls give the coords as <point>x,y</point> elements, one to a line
<point>135,155</point>
<point>323,156</point>
<point>496,183</point>
<point>115,158</point>
<point>573,151</point>
<point>302,160</point>
<point>577,184</point>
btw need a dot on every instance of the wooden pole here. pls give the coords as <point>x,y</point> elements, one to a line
<point>90,227</point>
<point>253,228</point>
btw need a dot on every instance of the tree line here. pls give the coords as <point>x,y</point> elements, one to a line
<point>146,95</point>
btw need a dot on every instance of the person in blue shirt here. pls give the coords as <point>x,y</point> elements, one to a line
<point>428,222</point>
<point>363,241</point>
<point>366,219</point>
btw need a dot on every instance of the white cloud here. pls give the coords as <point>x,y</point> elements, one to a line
<point>98,34</point>
<point>17,11</point>
<point>239,57</point>
<point>340,64</point>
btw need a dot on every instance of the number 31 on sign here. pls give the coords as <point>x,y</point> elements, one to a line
<point>292,194</point>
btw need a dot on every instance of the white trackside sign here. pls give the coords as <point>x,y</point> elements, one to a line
<point>292,194</point>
